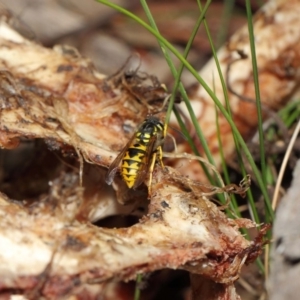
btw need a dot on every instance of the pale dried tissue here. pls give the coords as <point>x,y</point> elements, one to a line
<point>56,95</point>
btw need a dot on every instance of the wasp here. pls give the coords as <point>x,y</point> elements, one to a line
<point>138,157</point>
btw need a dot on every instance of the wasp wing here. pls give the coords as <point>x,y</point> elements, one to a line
<point>113,168</point>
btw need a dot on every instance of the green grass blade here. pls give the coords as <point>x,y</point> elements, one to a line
<point>137,290</point>
<point>225,18</point>
<point>254,212</point>
<point>269,210</point>
<point>177,76</point>
<point>208,90</point>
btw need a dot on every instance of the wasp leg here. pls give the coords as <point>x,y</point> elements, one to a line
<point>151,172</point>
<point>159,156</point>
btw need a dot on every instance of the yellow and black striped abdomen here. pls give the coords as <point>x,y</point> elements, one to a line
<point>132,163</point>
<point>139,154</point>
